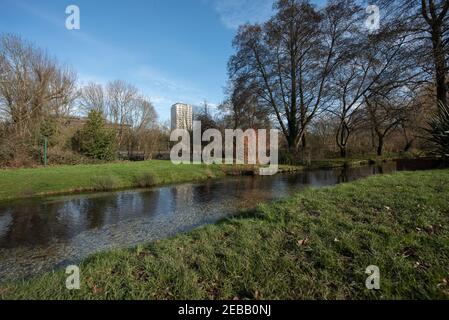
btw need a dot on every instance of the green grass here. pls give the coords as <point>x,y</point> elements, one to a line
<point>22,183</point>
<point>315,245</point>
<point>53,180</point>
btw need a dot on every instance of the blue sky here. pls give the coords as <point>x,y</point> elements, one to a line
<point>172,50</point>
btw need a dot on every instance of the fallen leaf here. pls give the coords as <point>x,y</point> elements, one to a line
<point>303,242</point>
<point>96,290</point>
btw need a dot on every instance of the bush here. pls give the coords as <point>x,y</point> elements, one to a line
<point>291,158</point>
<point>94,140</point>
<point>14,153</point>
<point>104,183</point>
<point>145,180</point>
<point>68,157</point>
<point>438,131</point>
<point>48,129</point>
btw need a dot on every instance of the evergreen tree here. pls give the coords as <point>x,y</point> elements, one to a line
<point>95,140</point>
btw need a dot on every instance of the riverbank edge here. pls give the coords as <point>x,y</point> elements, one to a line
<point>289,249</point>
<point>107,181</point>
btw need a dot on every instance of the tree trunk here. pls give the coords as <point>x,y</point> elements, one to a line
<point>408,146</point>
<point>436,22</point>
<point>380,145</point>
<point>291,143</point>
<point>440,63</point>
<point>343,152</point>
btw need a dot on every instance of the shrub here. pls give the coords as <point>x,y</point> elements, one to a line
<point>106,183</point>
<point>94,140</point>
<point>14,153</point>
<point>145,180</point>
<point>438,131</point>
<point>68,157</point>
<point>48,129</point>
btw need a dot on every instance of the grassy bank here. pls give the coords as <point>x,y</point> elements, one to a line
<point>53,180</point>
<point>22,183</point>
<point>315,245</point>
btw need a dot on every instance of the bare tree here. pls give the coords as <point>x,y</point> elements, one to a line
<point>305,61</point>
<point>436,15</point>
<point>290,58</point>
<point>121,101</point>
<point>375,62</point>
<point>242,109</point>
<point>142,120</point>
<point>123,107</point>
<point>33,87</point>
<point>387,111</point>
<point>92,97</point>
<point>427,22</point>
<point>143,116</point>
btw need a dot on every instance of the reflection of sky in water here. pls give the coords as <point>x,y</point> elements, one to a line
<point>38,235</point>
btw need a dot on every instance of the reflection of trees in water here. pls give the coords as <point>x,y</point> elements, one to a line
<point>250,190</point>
<point>149,203</point>
<point>253,190</point>
<point>33,224</point>
<point>182,196</point>
<point>305,178</point>
<point>33,227</point>
<point>241,187</point>
<point>204,193</point>
<point>343,176</point>
<point>242,192</point>
<point>299,178</point>
<point>104,210</point>
<point>94,210</point>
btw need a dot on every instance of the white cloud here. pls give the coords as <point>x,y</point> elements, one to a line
<point>234,13</point>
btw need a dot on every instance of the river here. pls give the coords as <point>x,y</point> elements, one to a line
<point>44,234</point>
